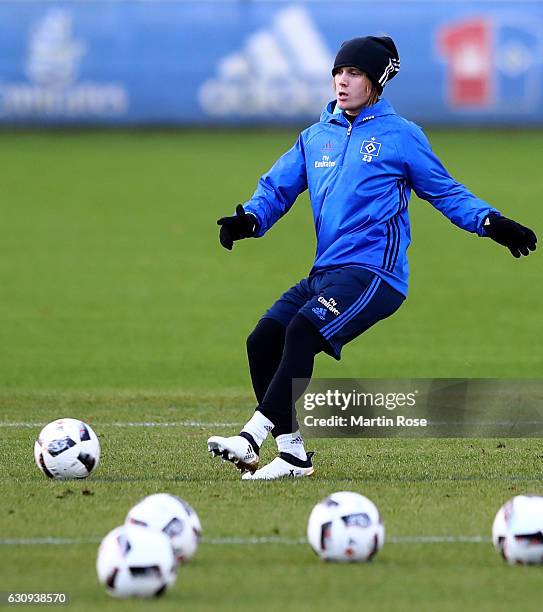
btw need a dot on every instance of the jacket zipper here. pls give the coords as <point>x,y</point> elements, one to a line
<point>349,130</point>
<point>340,170</point>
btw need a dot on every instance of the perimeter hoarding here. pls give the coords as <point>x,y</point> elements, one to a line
<point>209,63</point>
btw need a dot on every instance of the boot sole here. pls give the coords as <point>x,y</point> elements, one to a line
<point>287,477</point>
<point>217,450</point>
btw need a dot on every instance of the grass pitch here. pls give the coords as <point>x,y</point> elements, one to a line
<point>438,499</point>
<point>112,275</point>
<point>119,307</point>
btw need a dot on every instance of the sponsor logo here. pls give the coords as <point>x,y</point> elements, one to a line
<point>54,89</point>
<point>492,63</point>
<point>325,162</point>
<point>330,304</point>
<point>320,312</point>
<point>282,69</point>
<point>392,68</point>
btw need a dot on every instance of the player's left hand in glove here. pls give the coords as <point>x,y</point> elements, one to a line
<point>238,226</point>
<point>518,239</point>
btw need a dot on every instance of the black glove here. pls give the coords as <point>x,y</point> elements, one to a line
<point>517,238</point>
<point>241,225</point>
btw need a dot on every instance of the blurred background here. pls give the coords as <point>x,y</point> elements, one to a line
<point>128,127</point>
<point>224,62</point>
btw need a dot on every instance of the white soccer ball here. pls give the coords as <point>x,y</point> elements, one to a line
<point>67,448</point>
<point>136,562</point>
<point>517,531</point>
<point>345,527</point>
<point>499,528</point>
<point>174,517</point>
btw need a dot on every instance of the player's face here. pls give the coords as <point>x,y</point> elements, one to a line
<point>353,89</point>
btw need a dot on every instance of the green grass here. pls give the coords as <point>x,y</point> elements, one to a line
<point>118,305</point>
<point>112,276</point>
<point>423,488</point>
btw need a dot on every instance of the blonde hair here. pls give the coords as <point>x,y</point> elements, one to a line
<point>374,94</point>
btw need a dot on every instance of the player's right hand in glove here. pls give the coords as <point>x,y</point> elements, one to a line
<point>518,239</point>
<point>238,226</point>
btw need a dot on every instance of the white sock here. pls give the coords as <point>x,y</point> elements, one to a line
<point>259,427</point>
<point>293,444</point>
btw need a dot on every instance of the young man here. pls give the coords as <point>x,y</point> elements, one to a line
<point>360,163</point>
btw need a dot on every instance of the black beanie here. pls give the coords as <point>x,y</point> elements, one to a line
<point>377,56</point>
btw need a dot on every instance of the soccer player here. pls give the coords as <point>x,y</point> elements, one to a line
<point>360,163</point>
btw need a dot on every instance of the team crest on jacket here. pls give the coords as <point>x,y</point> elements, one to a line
<point>370,149</point>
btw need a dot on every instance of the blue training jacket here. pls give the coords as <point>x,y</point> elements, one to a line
<point>360,178</point>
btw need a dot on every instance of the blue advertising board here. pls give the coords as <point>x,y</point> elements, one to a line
<point>262,62</point>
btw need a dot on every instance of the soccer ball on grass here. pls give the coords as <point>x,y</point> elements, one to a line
<point>517,530</point>
<point>170,515</point>
<point>345,526</point>
<point>136,562</point>
<point>66,449</point>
